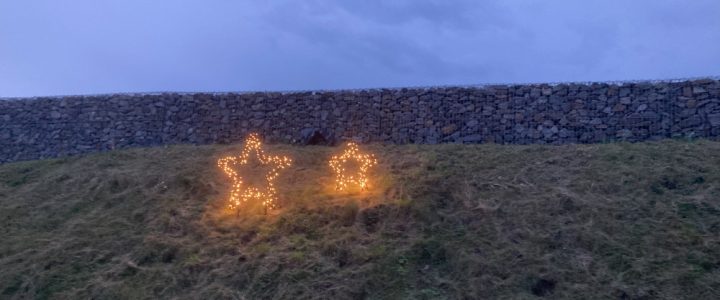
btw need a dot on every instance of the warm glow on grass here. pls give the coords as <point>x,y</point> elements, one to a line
<point>242,193</point>
<point>339,164</point>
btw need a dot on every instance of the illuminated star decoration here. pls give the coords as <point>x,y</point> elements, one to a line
<point>241,194</point>
<point>338,162</point>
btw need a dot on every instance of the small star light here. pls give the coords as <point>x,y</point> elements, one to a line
<point>338,163</point>
<point>240,194</point>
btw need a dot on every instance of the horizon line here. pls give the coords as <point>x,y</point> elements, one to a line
<point>419,87</point>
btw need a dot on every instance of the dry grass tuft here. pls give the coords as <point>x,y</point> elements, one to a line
<point>628,221</point>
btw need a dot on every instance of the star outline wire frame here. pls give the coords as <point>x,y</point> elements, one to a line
<point>240,194</point>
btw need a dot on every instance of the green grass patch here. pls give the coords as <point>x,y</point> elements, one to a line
<point>615,220</point>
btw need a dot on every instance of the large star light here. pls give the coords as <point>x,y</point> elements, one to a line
<point>343,177</point>
<point>242,193</point>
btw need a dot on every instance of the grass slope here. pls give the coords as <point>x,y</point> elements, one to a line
<point>623,221</point>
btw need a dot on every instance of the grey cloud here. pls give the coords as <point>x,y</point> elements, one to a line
<point>84,46</point>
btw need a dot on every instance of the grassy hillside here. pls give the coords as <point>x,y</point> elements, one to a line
<point>622,221</point>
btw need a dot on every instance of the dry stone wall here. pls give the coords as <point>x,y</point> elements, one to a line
<point>45,127</point>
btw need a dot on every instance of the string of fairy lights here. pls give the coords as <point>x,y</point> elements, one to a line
<point>267,195</point>
<point>240,194</point>
<point>343,178</point>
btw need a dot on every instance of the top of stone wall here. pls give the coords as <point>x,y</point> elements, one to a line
<point>459,86</point>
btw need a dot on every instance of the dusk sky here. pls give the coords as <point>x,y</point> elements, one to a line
<point>55,47</point>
